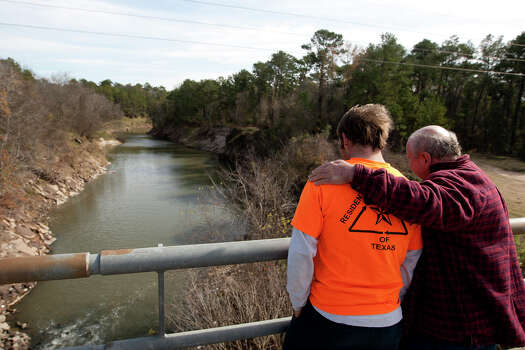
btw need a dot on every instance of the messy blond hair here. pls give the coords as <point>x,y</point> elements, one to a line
<point>367,125</point>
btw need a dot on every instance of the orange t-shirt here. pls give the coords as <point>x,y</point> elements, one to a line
<point>360,248</point>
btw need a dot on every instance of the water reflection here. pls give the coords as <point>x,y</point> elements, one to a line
<point>154,192</point>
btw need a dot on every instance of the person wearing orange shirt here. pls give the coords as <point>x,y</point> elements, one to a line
<point>350,262</point>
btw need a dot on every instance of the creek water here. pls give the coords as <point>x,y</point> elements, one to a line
<point>154,192</point>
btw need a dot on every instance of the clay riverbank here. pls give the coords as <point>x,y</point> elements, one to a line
<point>226,141</point>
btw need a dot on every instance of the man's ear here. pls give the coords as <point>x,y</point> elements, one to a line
<point>427,157</point>
<point>345,139</point>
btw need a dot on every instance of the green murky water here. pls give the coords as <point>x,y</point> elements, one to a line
<point>154,192</point>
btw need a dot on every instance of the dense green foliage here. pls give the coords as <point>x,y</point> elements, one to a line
<point>134,100</point>
<point>431,84</point>
<point>453,84</point>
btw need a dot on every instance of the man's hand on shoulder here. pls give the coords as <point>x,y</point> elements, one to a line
<point>337,172</point>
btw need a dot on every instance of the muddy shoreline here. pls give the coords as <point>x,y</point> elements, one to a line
<point>25,232</point>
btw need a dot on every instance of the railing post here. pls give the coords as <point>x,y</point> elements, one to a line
<point>160,283</point>
<point>162,327</point>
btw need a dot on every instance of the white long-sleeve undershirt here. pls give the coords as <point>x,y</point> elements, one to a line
<point>300,271</point>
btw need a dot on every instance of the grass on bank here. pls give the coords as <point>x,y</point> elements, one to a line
<point>125,125</point>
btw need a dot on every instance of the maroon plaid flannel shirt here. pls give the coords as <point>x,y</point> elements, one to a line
<point>467,286</point>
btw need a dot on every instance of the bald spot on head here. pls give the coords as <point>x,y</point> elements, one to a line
<point>440,143</point>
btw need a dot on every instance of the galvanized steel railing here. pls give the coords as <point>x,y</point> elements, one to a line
<point>160,259</point>
<point>156,259</point>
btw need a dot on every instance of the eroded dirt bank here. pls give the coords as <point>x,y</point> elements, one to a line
<point>24,228</point>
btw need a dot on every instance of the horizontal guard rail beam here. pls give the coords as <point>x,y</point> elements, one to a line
<point>198,337</point>
<point>43,268</point>
<point>518,225</point>
<point>111,262</point>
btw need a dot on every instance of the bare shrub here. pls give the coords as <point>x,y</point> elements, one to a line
<point>304,153</point>
<point>265,192</point>
<point>258,188</point>
<point>230,295</point>
<point>37,120</point>
<point>76,107</point>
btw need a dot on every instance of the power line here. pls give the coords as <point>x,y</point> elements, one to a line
<point>406,29</point>
<point>441,67</point>
<point>133,36</point>
<point>468,55</point>
<point>168,19</point>
<point>240,47</point>
<point>304,16</point>
<point>207,23</point>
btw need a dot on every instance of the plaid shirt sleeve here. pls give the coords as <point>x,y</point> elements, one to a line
<point>435,203</point>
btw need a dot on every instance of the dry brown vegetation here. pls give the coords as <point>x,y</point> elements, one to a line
<point>265,192</point>
<point>39,122</point>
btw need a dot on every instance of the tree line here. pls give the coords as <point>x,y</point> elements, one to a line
<point>134,100</point>
<point>454,84</point>
<point>477,91</point>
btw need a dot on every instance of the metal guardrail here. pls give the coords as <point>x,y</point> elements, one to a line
<point>518,225</point>
<point>195,338</point>
<point>160,259</point>
<point>156,259</point>
<point>123,261</point>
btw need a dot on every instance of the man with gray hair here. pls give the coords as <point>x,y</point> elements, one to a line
<point>468,290</point>
<point>428,144</point>
<point>441,143</point>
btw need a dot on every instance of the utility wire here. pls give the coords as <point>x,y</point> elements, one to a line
<point>208,3</point>
<point>133,36</point>
<point>441,67</point>
<point>240,47</point>
<point>468,55</point>
<point>168,19</point>
<point>203,23</point>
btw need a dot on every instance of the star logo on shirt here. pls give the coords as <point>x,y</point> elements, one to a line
<point>364,222</point>
<point>382,215</point>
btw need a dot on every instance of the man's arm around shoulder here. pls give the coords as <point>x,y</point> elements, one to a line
<point>427,203</point>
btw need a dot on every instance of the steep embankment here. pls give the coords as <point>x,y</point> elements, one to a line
<point>226,141</point>
<point>24,227</point>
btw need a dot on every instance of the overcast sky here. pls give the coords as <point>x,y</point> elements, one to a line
<point>275,25</point>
